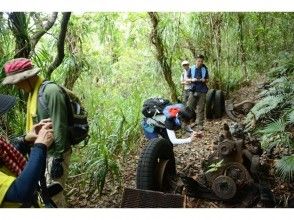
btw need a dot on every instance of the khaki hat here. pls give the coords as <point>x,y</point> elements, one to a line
<point>19,69</point>
<point>185,62</point>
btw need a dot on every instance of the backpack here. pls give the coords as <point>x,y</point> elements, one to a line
<point>154,106</point>
<point>78,125</point>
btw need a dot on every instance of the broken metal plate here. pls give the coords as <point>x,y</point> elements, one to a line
<point>229,105</point>
<point>137,198</point>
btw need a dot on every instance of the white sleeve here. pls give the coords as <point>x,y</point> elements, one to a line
<point>182,77</point>
<point>172,137</point>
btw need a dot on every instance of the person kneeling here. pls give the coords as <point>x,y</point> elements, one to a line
<point>174,118</point>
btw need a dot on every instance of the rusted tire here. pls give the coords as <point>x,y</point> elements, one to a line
<point>209,103</point>
<point>224,187</point>
<point>156,166</point>
<point>219,104</point>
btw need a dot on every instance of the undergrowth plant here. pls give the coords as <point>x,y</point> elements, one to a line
<point>272,118</point>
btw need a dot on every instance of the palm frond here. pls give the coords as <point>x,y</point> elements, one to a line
<point>290,117</point>
<point>273,127</point>
<point>265,106</point>
<point>285,167</point>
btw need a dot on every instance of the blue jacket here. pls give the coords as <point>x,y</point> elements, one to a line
<point>198,73</point>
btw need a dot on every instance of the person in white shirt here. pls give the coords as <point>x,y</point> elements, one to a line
<point>166,126</point>
<point>185,83</point>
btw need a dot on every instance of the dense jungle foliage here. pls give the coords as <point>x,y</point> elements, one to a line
<point>114,61</point>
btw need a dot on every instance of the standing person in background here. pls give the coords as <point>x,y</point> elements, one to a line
<point>23,74</point>
<point>186,84</point>
<point>198,76</point>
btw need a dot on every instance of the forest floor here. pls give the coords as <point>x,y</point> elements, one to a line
<point>188,159</point>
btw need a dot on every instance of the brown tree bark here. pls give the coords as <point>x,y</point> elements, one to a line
<point>215,26</point>
<point>45,26</point>
<point>75,51</point>
<point>18,24</point>
<point>25,44</point>
<point>161,56</point>
<point>241,43</point>
<point>60,44</point>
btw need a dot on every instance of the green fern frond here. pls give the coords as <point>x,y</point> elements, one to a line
<point>275,134</point>
<point>285,66</point>
<point>274,127</point>
<point>290,117</point>
<point>280,80</point>
<point>265,106</point>
<point>285,167</point>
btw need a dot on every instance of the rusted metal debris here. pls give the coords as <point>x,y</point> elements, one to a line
<point>239,177</point>
<point>136,198</point>
<point>237,111</point>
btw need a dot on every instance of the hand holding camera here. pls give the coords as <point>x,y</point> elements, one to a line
<point>45,135</point>
<point>32,135</point>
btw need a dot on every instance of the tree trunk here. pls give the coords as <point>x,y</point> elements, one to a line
<point>241,43</point>
<point>71,78</point>
<point>216,22</point>
<point>18,24</point>
<point>45,26</point>
<point>161,55</point>
<point>60,45</point>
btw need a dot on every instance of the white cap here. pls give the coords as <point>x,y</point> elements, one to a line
<point>185,62</point>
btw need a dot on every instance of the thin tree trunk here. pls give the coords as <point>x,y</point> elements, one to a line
<point>241,43</point>
<point>60,44</point>
<point>45,26</point>
<point>161,55</point>
<point>215,23</point>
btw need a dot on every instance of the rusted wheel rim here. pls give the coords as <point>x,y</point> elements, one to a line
<point>224,187</point>
<point>238,173</point>
<point>161,173</point>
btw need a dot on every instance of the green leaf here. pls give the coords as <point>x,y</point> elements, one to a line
<point>285,167</point>
<point>215,166</point>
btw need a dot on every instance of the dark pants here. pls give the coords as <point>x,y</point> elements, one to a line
<point>186,94</point>
<point>197,102</point>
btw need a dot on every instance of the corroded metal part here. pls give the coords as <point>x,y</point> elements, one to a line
<point>137,198</point>
<point>224,187</point>
<point>235,110</point>
<point>238,173</point>
<point>229,108</point>
<point>226,148</point>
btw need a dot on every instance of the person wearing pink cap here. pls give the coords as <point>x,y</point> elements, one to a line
<point>24,75</point>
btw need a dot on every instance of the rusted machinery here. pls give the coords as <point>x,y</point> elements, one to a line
<point>236,112</point>
<point>232,173</point>
<point>227,170</point>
